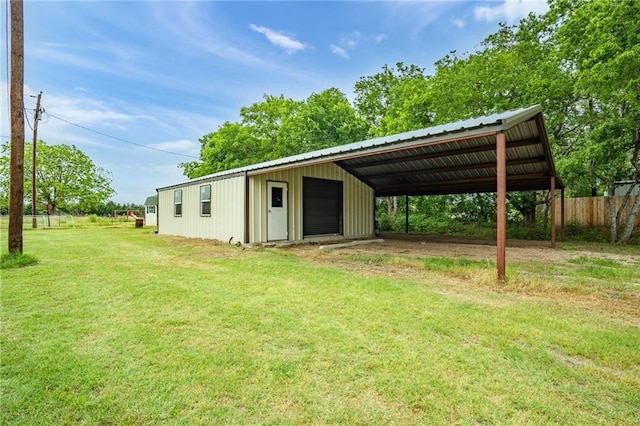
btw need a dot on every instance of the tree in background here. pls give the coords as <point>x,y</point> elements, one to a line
<point>393,100</point>
<point>324,120</point>
<point>66,178</point>
<point>600,40</point>
<point>278,127</point>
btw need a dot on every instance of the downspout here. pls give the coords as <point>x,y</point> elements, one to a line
<point>157,211</point>
<point>246,208</point>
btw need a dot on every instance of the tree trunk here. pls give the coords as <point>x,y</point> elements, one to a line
<point>395,207</point>
<point>529,218</point>
<point>613,217</point>
<point>631,222</point>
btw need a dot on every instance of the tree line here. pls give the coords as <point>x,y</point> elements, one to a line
<point>67,180</point>
<point>579,61</point>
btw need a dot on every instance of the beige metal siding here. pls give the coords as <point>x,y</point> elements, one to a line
<point>357,203</point>
<point>227,211</point>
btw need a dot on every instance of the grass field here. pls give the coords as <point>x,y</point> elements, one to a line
<point>122,326</point>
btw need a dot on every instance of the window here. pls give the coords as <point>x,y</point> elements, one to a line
<point>151,209</point>
<point>177,202</point>
<point>276,196</point>
<point>205,200</point>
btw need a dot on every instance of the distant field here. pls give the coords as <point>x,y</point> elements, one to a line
<point>117,325</point>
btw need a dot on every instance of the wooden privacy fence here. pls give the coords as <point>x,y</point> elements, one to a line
<point>592,211</point>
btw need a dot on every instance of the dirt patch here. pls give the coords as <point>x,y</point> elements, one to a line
<point>401,256</point>
<point>471,248</point>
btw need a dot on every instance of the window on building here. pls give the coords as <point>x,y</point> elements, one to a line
<point>205,200</point>
<point>177,202</point>
<point>151,209</point>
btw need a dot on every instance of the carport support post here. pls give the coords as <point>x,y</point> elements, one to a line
<point>552,189</point>
<point>406,214</point>
<point>501,168</point>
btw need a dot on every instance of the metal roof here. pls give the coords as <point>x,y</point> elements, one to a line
<point>452,158</point>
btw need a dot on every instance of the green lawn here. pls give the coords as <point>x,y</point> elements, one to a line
<point>122,326</point>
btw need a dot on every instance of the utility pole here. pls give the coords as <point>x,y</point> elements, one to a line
<point>16,165</point>
<point>34,205</point>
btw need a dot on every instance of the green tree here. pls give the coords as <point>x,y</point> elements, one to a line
<point>393,100</point>
<point>278,127</point>
<point>518,66</point>
<point>324,120</point>
<point>600,40</point>
<point>66,178</point>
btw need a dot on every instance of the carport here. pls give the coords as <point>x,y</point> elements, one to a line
<point>498,153</point>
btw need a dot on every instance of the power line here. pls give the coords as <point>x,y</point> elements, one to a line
<point>118,138</point>
<point>26,116</point>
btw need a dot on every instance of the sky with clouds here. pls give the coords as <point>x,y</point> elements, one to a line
<point>135,84</point>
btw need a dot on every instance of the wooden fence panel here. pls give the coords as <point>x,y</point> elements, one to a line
<point>592,211</point>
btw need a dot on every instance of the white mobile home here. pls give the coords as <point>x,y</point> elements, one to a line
<point>331,192</point>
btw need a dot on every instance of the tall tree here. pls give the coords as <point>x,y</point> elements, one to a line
<point>518,66</point>
<point>67,179</point>
<point>391,101</point>
<point>278,127</point>
<point>382,97</point>
<point>324,120</point>
<point>600,41</point>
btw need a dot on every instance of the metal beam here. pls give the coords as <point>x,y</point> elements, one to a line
<point>438,170</point>
<point>484,181</point>
<point>501,167</point>
<point>438,154</point>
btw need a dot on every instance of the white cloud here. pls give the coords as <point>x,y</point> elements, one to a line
<point>380,38</point>
<point>510,10</point>
<point>457,22</point>
<point>340,51</point>
<point>281,40</point>
<point>352,41</point>
<point>345,44</point>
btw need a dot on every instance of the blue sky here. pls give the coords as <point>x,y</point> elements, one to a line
<point>149,78</point>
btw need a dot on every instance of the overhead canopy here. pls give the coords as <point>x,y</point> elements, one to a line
<point>460,158</point>
<point>453,158</point>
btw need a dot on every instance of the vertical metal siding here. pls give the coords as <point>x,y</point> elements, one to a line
<point>357,203</point>
<point>227,211</point>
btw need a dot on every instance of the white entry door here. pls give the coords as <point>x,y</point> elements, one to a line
<point>277,211</point>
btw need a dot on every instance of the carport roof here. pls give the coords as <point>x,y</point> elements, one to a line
<point>452,158</point>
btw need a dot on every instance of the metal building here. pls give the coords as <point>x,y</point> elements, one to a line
<point>331,192</point>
